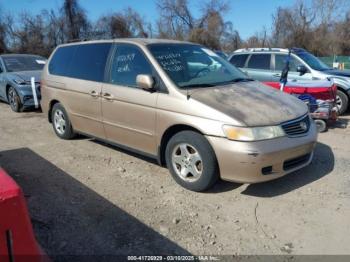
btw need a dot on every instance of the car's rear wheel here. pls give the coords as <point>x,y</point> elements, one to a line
<point>14,100</point>
<point>61,123</point>
<point>321,125</point>
<point>342,102</point>
<point>191,161</point>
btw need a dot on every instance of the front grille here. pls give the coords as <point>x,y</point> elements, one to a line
<point>295,162</point>
<point>297,127</point>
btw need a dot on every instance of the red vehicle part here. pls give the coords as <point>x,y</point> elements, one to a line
<point>323,90</point>
<point>17,241</point>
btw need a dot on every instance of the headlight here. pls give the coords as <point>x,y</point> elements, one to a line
<point>19,81</point>
<point>252,134</point>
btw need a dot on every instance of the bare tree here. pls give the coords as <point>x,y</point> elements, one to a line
<point>178,22</point>
<point>75,19</point>
<point>127,23</point>
<point>3,46</point>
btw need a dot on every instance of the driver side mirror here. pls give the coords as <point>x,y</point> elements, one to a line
<point>145,82</point>
<point>302,69</point>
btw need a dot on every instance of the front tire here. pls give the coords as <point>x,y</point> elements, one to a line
<point>14,100</point>
<point>192,161</point>
<point>61,123</point>
<point>342,102</point>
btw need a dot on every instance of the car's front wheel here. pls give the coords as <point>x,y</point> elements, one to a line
<point>342,102</point>
<point>192,161</point>
<point>61,123</point>
<point>14,100</point>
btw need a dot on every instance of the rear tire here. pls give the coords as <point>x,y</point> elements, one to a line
<point>342,102</point>
<point>321,125</point>
<point>14,100</point>
<point>61,123</point>
<point>192,161</point>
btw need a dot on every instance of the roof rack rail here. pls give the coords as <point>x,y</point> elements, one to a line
<point>262,49</point>
<point>76,40</point>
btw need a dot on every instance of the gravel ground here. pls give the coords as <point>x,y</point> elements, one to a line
<point>86,197</point>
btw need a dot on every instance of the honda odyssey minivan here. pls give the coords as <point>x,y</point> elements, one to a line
<point>179,103</point>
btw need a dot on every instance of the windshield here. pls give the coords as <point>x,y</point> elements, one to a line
<point>23,63</point>
<point>191,66</point>
<point>222,54</point>
<point>313,61</point>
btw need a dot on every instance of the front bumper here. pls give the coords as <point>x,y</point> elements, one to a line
<point>260,161</point>
<point>26,96</point>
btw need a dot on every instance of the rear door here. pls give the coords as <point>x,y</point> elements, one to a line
<point>77,75</point>
<point>129,113</point>
<point>259,67</point>
<point>239,60</point>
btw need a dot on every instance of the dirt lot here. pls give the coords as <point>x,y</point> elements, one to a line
<point>89,198</point>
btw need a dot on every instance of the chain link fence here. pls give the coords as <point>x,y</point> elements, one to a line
<point>329,60</point>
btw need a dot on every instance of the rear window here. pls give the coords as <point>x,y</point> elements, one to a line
<point>239,60</point>
<point>260,61</point>
<point>85,61</point>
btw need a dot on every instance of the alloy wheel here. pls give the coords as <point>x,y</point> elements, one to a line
<point>60,122</point>
<point>339,102</point>
<point>187,162</point>
<point>12,96</point>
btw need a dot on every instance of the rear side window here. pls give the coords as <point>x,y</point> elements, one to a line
<point>239,60</point>
<point>260,61</point>
<point>85,61</point>
<point>61,60</point>
<point>128,62</point>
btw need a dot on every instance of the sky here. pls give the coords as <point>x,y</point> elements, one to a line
<point>247,16</point>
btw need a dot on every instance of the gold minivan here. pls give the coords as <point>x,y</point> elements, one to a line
<point>180,103</point>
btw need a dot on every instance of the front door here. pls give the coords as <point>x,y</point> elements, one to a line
<point>128,112</point>
<point>293,75</point>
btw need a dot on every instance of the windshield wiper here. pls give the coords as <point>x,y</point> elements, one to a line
<point>197,85</point>
<point>241,79</point>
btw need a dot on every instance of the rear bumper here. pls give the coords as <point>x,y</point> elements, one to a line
<point>254,162</point>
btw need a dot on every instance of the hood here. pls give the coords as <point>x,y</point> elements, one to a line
<point>335,72</point>
<point>27,75</point>
<point>252,103</point>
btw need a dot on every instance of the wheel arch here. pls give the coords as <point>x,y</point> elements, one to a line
<point>8,85</point>
<point>168,134</point>
<point>52,103</point>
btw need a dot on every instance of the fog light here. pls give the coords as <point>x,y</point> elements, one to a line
<point>266,170</point>
<point>26,98</point>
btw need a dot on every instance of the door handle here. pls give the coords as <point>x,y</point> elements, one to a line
<point>277,75</point>
<point>94,93</point>
<point>107,96</point>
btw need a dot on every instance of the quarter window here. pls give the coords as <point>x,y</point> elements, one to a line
<point>260,61</point>
<point>61,60</point>
<point>128,62</point>
<point>86,61</point>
